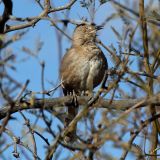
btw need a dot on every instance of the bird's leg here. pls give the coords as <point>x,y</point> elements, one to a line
<point>73,108</point>
<point>75,102</point>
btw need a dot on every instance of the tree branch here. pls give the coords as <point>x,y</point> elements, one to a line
<point>53,103</point>
<point>32,21</point>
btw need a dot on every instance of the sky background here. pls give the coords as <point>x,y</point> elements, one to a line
<point>45,33</point>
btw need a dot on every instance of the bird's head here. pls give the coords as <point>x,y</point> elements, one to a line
<point>85,33</point>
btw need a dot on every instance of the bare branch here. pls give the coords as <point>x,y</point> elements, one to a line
<point>52,103</point>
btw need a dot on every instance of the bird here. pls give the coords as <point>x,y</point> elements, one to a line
<point>83,66</point>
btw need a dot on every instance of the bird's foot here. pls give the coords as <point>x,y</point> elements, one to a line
<point>74,99</point>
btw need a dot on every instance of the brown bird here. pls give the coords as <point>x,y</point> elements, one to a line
<point>83,66</point>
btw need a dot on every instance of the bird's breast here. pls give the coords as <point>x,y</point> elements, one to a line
<point>80,65</point>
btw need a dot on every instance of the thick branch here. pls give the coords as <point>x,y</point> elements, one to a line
<point>52,103</point>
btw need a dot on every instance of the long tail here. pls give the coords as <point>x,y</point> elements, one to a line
<point>72,112</point>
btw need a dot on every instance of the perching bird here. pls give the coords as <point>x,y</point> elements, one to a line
<point>83,66</point>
